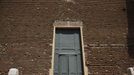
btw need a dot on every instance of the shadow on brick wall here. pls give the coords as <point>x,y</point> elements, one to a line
<point>130,37</point>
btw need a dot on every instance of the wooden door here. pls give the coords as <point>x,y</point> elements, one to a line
<point>68,54</point>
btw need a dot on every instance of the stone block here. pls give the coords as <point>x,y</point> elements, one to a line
<point>13,71</point>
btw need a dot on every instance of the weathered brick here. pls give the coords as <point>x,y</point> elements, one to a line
<point>26,34</point>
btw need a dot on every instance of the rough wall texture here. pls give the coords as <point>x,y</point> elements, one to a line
<point>26,33</point>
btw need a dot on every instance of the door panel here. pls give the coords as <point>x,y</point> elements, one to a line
<point>68,54</point>
<point>72,65</point>
<point>63,65</point>
<point>56,60</point>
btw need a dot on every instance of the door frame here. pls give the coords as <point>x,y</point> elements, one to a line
<point>69,25</point>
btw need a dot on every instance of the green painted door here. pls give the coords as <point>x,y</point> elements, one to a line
<point>68,55</point>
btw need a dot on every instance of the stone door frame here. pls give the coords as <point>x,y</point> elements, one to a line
<point>68,24</point>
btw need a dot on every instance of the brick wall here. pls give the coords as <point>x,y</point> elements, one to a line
<point>26,33</point>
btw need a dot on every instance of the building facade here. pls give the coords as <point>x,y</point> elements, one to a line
<point>28,29</point>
